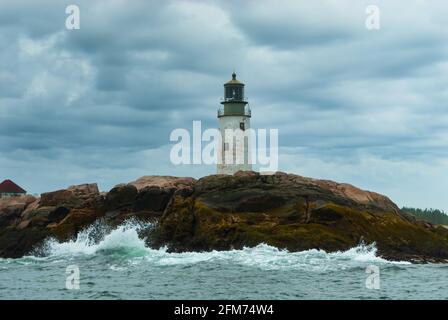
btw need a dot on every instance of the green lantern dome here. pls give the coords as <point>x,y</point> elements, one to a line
<point>234,90</point>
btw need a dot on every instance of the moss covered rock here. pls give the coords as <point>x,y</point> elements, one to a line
<point>295,213</point>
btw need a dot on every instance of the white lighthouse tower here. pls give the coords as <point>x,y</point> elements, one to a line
<point>234,116</point>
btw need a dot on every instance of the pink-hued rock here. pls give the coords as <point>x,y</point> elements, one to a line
<point>33,206</point>
<point>72,196</point>
<point>164,182</point>
<point>21,201</point>
<point>353,193</point>
<point>84,190</point>
<point>246,174</point>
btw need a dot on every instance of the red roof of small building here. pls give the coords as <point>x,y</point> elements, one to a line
<point>8,186</point>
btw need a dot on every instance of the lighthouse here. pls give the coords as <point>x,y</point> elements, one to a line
<point>234,124</point>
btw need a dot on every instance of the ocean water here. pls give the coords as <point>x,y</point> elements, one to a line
<point>118,265</point>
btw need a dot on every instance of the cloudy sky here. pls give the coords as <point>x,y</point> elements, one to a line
<point>367,107</point>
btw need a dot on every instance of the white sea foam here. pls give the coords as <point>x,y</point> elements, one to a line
<point>122,239</point>
<point>124,242</point>
<point>271,258</point>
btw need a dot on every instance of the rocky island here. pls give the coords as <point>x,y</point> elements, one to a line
<point>222,212</point>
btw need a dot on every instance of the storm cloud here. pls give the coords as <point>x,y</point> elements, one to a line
<point>367,107</point>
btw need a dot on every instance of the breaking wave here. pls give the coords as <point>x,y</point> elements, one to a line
<point>101,239</point>
<point>124,243</point>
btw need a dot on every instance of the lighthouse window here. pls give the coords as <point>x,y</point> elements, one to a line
<point>233,93</point>
<point>242,126</point>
